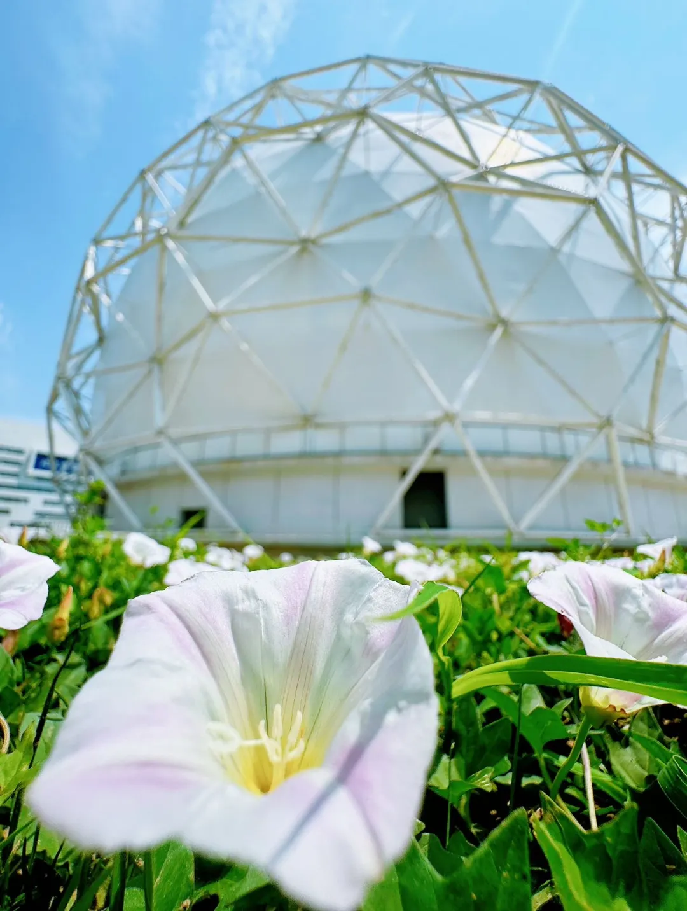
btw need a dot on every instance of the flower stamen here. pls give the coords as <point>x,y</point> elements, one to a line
<point>226,741</point>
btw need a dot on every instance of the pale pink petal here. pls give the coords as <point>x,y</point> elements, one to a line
<point>23,585</point>
<point>655,550</point>
<point>134,764</point>
<point>616,616</point>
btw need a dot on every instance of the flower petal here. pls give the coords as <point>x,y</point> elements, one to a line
<point>134,764</point>
<point>616,616</point>
<point>631,616</point>
<point>23,585</point>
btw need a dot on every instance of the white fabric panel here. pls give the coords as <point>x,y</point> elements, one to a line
<point>283,359</point>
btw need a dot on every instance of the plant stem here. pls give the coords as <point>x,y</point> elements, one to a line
<point>572,757</point>
<point>517,741</point>
<point>119,880</point>
<point>546,778</point>
<point>588,787</point>
<point>148,880</point>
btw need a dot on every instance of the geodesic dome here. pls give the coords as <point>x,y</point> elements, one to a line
<point>365,274</point>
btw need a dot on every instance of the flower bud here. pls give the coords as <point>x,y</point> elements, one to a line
<point>596,703</point>
<point>10,642</point>
<point>102,598</point>
<point>61,552</point>
<point>58,628</point>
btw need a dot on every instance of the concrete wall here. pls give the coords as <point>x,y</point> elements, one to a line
<point>336,500</point>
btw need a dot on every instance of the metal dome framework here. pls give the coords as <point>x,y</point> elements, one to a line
<point>575,160</point>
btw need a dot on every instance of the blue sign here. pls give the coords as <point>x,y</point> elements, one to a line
<point>63,464</point>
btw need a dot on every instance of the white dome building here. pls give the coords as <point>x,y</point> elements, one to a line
<point>382,297</point>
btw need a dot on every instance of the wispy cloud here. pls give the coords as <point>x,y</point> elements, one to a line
<point>240,43</point>
<point>86,57</point>
<point>398,32</point>
<point>561,38</point>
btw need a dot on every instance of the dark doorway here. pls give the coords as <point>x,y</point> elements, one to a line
<point>188,513</point>
<point>425,502</point>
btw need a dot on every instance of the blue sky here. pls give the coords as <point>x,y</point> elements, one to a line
<point>92,90</point>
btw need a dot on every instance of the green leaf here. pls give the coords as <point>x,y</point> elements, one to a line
<point>134,900</point>
<point>233,886</point>
<point>633,763</point>
<point>446,861</point>
<point>173,876</point>
<point>384,896</point>
<point>539,725</point>
<point>449,604</point>
<point>492,577</point>
<point>658,857</point>
<point>584,880</point>
<point>8,674</point>
<point>496,875</point>
<point>610,868</point>
<point>85,899</point>
<point>672,780</point>
<point>652,679</point>
<point>427,595</point>
<point>418,881</point>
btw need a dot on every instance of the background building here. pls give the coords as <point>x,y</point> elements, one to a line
<point>28,496</point>
<point>384,296</point>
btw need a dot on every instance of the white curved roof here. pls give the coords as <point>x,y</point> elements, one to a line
<point>373,249</point>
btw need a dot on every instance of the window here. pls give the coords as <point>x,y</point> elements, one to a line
<point>188,513</point>
<point>425,502</point>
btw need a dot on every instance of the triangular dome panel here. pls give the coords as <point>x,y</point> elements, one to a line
<point>301,367</point>
<point>515,384</point>
<point>228,389</point>
<point>374,379</point>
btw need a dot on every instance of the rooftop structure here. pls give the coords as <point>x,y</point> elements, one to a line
<point>386,296</point>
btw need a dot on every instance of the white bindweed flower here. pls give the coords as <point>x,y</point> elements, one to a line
<point>224,558</point>
<point>646,565</point>
<point>539,561</point>
<point>370,546</point>
<point>187,544</point>
<point>253,552</point>
<point>144,551</point>
<point>656,550</point>
<point>267,718</point>
<point>286,558</point>
<point>405,549</point>
<point>675,584</point>
<point>183,569</point>
<point>618,616</point>
<point>23,585</point>
<point>415,571</point>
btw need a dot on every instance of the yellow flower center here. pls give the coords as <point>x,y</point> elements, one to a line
<point>260,764</point>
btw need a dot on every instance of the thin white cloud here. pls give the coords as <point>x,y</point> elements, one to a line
<point>99,34</point>
<point>240,43</point>
<point>397,34</point>
<point>562,35</point>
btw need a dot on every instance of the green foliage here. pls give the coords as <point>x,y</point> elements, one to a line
<point>487,839</point>
<point>495,876</point>
<point>653,679</point>
<point>614,867</point>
